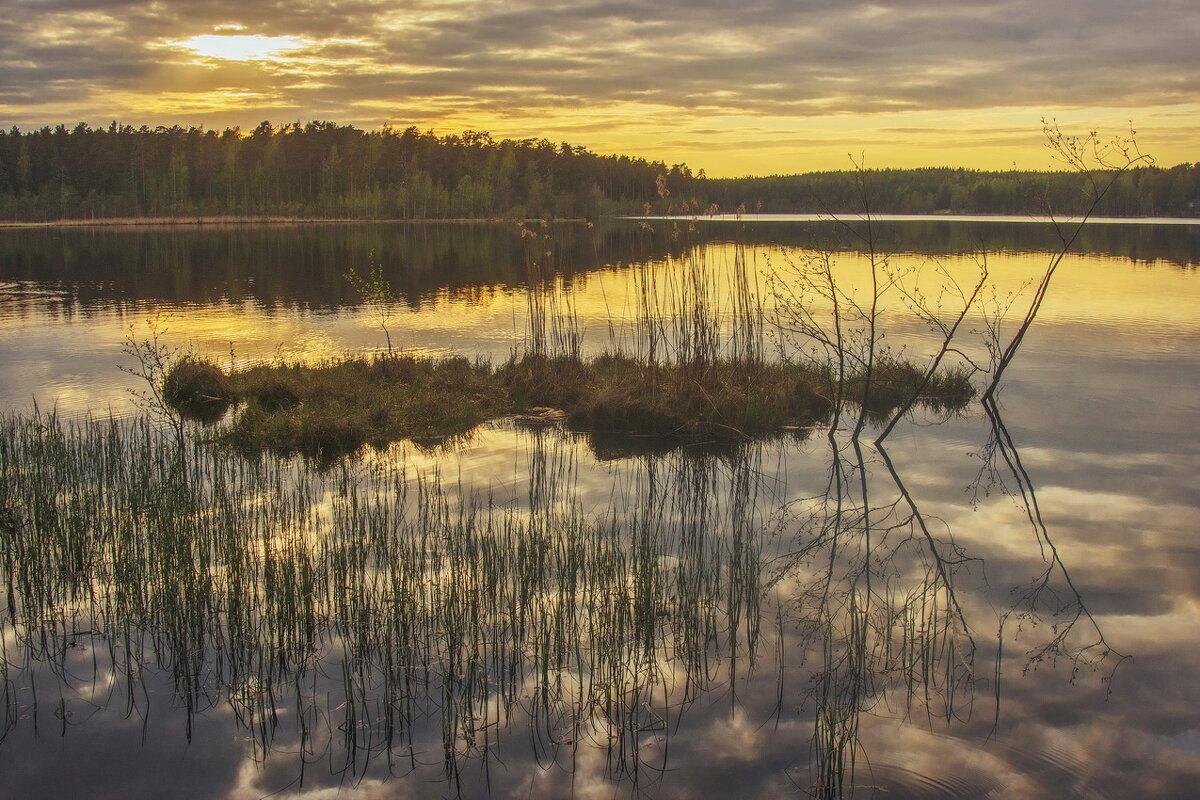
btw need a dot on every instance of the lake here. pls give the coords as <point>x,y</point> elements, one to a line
<point>1002,602</point>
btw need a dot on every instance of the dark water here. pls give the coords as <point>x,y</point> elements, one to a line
<point>998,604</point>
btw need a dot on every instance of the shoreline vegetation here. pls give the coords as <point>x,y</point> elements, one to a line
<point>695,367</point>
<point>322,170</point>
<point>335,408</point>
<point>251,220</point>
<point>187,219</point>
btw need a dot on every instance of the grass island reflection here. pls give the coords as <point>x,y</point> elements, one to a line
<point>550,611</point>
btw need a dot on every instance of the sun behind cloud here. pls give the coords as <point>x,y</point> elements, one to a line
<point>242,47</point>
<point>756,87</point>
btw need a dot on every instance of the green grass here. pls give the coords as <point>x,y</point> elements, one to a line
<point>894,380</point>
<point>335,408</point>
<point>721,400</point>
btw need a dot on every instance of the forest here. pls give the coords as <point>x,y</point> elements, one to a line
<point>326,170</point>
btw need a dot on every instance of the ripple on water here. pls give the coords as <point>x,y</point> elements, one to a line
<point>1012,772</point>
<point>894,781</point>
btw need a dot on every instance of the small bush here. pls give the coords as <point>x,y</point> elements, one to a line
<point>197,389</point>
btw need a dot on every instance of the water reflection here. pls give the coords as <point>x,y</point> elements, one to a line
<point>1173,245</point>
<point>364,620</point>
<point>291,266</point>
<point>537,613</point>
<point>886,608</point>
<point>244,293</point>
<point>369,623</point>
<point>69,271</point>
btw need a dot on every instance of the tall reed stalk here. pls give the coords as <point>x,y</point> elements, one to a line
<point>383,607</point>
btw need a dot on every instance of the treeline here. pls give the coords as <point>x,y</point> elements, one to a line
<point>321,169</point>
<point>1139,192</point>
<point>318,169</point>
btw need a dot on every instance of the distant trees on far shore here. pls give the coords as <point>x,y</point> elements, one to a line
<point>1139,192</point>
<point>326,170</point>
<point>318,169</point>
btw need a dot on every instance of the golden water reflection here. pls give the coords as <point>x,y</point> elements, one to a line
<point>851,615</point>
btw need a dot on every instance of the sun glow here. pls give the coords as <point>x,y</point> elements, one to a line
<point>242,47</point>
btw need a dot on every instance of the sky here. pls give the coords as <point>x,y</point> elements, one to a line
<point>747,87</point>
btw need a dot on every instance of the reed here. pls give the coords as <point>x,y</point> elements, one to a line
<point>385,610</point>
<point>382,607</point>
<point>693,368</point>
<point>331,409</point>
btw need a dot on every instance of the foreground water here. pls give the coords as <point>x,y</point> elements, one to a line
<point>1001,604</point>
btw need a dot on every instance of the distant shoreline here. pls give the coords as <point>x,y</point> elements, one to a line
<point>932,217</point>
<point>120,222</point>
<point>107,222</point>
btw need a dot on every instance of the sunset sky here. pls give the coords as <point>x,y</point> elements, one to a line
<point>748,87</point>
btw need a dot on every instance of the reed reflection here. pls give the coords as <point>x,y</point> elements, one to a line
<point>363,620</point>
<point>366,621</point>
<point>890,615</point>
<point>875,606</point>
<point>1075,635</point>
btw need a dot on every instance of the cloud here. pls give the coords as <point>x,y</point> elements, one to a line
<point>449,60</point>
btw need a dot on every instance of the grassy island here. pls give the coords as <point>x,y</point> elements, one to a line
<point>336,407</point>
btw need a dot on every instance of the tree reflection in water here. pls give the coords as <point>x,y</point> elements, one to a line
<point>874,590</point>
<point>365,621</point>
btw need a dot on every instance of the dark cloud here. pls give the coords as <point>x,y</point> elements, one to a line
<point>439,60</point>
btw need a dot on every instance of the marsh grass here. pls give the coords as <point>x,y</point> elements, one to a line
<point>384,610</point>
<point>335,408</point>
<point>368,614</point>
<point>894,380</point>
<point>693,366</point>
<point>622,394</point>
<point>402,618</point>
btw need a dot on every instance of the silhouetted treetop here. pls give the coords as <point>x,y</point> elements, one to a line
<point>323,169</point>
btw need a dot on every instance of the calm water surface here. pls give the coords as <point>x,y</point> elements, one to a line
<point>999,604</point>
